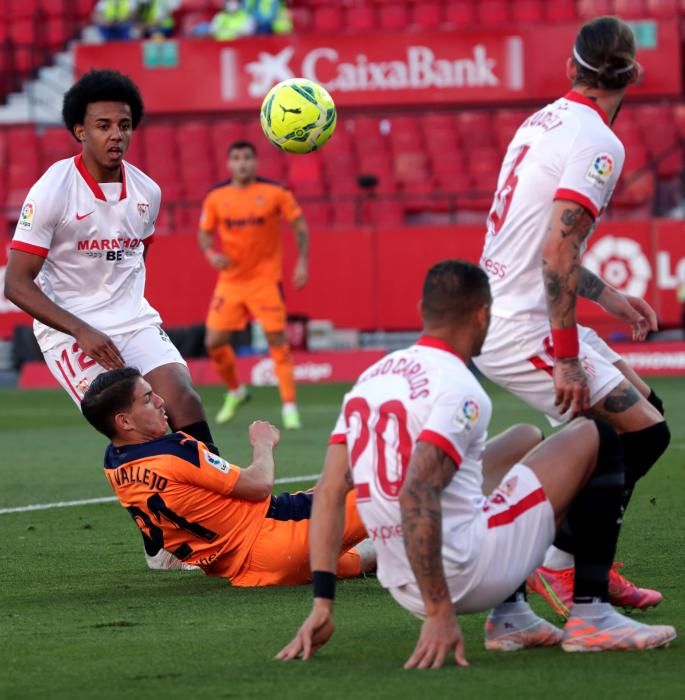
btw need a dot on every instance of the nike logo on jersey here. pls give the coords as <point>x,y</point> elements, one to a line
<point>80,217</point>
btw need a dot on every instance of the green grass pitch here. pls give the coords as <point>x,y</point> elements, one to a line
<point>82,617</point>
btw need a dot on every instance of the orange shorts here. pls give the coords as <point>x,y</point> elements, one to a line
<point>280,554</point>
<point>234,302</point>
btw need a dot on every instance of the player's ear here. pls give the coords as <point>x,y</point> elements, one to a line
<point>123,423</point>
<point>571,69</point>
<point>80,132</point>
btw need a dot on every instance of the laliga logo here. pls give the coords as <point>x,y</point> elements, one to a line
<point>621,262</point>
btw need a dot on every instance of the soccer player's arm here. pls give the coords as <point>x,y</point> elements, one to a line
<point>28,251</point>
<point>585,187</point>
<point>293,214</point>
<point>325,542</point>
<point>205,233</point>
<point>253,483</point>
<point>434,461</point>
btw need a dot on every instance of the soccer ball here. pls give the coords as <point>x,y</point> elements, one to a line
<point>298,116</point>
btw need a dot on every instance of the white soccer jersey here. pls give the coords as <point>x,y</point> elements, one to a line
<point>92,238</point>
<point>564,151</point>
<point>426,393</point>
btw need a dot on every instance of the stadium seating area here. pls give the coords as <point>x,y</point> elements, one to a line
<point>432,163</point>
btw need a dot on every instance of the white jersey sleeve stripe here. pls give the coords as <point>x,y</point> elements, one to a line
<point>29,248</point>
<point>442,443</point>
<point>573,196</point>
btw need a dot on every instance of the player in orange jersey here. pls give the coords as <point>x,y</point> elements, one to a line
<point>205,511</point>
<point>246,210</point>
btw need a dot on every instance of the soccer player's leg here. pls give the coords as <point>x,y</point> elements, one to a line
<point>227,314</point>
<point>582,472</point>
<point>268,307</point>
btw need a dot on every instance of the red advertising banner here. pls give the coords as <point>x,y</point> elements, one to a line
<point>202,75</point>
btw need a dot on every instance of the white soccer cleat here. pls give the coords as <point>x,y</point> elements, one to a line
<point>514,626</point>
<point>166,561</point>
<point>598,627</point>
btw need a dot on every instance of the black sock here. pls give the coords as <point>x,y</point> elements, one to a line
<point>200,431</point>
<point>564,538</point>
<point>151,548</point>
<point>595,519</point>
<point>519,595</point>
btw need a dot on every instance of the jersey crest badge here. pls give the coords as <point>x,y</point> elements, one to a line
<point>26,217</point>
<point>144,211</point>
<point>213,460</point>
<point>600,170</point>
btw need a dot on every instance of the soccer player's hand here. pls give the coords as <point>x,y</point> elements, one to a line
<point>316,630</point>
<point>570,385</point>
<point>99,347</point>
<point>636,312</point>
<point>440,634</point>
<point>263,432</point>
<point>218,260</point>
<point>300,273</point>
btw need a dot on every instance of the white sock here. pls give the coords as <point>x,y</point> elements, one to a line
<point>557,559</point>
<point>239,392</point>
<point>289,407</point>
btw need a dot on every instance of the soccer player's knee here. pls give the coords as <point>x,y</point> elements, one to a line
<point>642,448</point>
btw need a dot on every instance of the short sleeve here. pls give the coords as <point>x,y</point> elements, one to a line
<point>455,421</point>
<point>37,221</point>
<point>208,217</point>
<point>339,434</point>
<point>155,205</point>
<point>210,471</point>
<point>591,172</point>
<point>290,209</point>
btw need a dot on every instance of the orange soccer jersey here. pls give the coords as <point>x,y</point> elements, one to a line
<point>248,220</point>
<point>178,493</point>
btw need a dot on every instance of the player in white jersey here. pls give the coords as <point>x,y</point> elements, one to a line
<point>83,235</point>
<point>410,439</point>
<point>557,178</point>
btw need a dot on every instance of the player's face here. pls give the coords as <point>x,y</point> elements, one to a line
<point>242,164</point>
<point>147,416</point>
<point>106,133</point>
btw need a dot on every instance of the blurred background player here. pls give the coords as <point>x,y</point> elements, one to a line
<point>447,549</point>
<point>557,178</point>
<point>247,212</point>
<point>209,513</point>
<point>84,236</point>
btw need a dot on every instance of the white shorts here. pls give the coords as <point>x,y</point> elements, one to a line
<point>517,525</point>
<point>516,355</point>
<point>145,349</point>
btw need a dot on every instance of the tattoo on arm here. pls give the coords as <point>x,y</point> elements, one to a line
<point>589,285</point>
<point>561,263</point>
<point>430,470</point>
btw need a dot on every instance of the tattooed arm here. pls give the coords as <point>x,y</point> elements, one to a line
<point>325,544</point>
<point>430,470</point>
<point>632,310</point>
<point>568,228</point>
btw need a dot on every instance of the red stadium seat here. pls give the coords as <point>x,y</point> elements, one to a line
<point>21,32</point>
<point>318,214</point>
<point>21,9</point>
<point>346,212</point>
<point>527,11</point>
<point>679,119</point>
<point>426,15</point>
<point>393,17</point>
<point>560,11</point>
<point>635,192</point>
<point>460,13</point>
<point>327,19</point>
<point>662,8</point>
<point>629,9</point>
<point>361,18</point>
<point>588,9</point>
<point>302,19</point>
<point>493,12</point>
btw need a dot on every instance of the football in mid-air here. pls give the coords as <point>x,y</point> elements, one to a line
<point>298,115</point>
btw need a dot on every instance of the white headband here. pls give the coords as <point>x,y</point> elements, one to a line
<point>585,64</point>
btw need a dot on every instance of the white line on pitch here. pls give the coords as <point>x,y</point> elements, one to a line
<point>110,499</point>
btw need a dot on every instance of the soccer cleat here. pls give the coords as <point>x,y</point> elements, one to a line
<point>233,401</point>
<point>291,418</point>
<point>625,594</point>
<point>598,627</point>
<point>166,561</point>
<point>509,630</point>
<point>555,586</point>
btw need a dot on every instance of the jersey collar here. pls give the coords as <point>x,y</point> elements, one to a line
<point>94,186</point>
<point>573,96</point>
<point>430,342</point>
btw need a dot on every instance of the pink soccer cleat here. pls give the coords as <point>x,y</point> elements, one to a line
<point>625,594</point>
<point>555,586</point>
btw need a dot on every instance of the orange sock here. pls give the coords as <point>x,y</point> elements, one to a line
<point>223,359</point>
<point>285,373</point>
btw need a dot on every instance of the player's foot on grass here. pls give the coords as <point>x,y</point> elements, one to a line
<point>625,594</point>
<point>513,626</point>
<point>291,417</point>
<point>166,561</point>
<point>555,586</point>
<point>232,402</point>
<point>598,627</point>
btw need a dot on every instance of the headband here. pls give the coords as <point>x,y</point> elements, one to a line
<point>585,64</point>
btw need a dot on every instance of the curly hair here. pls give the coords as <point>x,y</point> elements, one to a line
<point>101,86</point>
